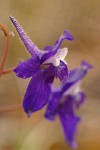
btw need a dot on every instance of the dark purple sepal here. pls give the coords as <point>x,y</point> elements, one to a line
<point>37,93</point>
<point>65,86</point>
<point>65,36</point>
<point>79,73</point>
<point>52,50</point>
<point>79,99</point>
<point>49,73</point>
<point>86,65</point>
<point>48,48</point>
<point>47,55</point>
<point>52,107</point>
<point>68,36</point>
<point>61,71</point>
<point>29,45</point>
<point>69,125</point>
<point>27,68</point>
<point>68,120</point>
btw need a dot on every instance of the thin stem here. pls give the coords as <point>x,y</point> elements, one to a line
<point>10,107</point>
<point>7,71</point>
<point>6,47</point>
<point>14,106</point>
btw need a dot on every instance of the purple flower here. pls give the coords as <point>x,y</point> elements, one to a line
<point>66,99</point>
<point>43,66</point>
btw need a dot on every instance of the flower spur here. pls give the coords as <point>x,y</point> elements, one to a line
<point>51,58</point>
<point>66,99</point>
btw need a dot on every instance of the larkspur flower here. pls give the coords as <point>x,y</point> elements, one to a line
<point>43,66</point>
<point>66,99</point>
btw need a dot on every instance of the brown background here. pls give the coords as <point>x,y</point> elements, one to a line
<point>44,21</point>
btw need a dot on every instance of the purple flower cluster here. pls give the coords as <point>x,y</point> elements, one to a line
<point>44,66</point>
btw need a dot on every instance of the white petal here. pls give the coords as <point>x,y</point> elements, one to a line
<point>55,59</point>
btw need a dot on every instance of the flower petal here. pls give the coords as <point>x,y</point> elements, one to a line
<point>65,36</point>
<point>69,125</point>
<point>52,107</point>
<point>73,90</point>
<point>49,73</point>
<point>55,59</point>
<point>37,93</point>
<point>79,73</point>
<point>30,46</point>
<point>68,120</point>
<point>75,76</point>
<point>61,71</point>
<point>52,50</point>
<point>54,102</point>
<point>66,87</point>
<point>79,99</point>
<point>86,65</point>
<point>47,55</point>
<point>48,48</point>
<point>27,68</point>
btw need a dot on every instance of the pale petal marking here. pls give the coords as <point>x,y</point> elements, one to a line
<point>55,59</point>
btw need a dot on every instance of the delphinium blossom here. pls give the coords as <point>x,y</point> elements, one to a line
<point>66,99</point>
<point>43,66</point>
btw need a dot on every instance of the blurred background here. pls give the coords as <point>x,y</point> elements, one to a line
<point>44,21</point>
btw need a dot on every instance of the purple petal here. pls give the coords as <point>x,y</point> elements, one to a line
<point>53,104</point>
<point>27,68</point>
<point>66,86</point>
<point>69,120</point>
<point>37,94</point>
<point>79,73</point>
<point>52,107</point>
<point>47,55</point>
<point>52,50</point>
<point>86,65</point>
<point>49,73</point>
<point>79,99</point>
<point>69,125</point>
<point>30,46</point>
<point>61,71</point>
<point>48,48</point>
<point>65,36</point>
<point>75,75</point>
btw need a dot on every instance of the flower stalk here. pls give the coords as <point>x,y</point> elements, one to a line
<point>6,71</point>
<point>6,47</point>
